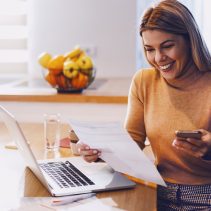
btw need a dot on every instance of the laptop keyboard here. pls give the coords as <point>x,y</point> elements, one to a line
<point>65,174</point>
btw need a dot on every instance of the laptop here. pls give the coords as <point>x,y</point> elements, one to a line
<point>66,176</point>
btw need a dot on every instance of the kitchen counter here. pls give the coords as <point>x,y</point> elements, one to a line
<point>103,90</point>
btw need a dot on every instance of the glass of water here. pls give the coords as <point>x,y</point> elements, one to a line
<point>52,131</point>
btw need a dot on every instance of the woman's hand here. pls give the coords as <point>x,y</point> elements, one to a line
<point>200,148</point>
<point>89,155</point>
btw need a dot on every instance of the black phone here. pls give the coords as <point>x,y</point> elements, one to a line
<point>188,134</point>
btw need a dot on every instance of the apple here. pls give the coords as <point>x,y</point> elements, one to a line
<point>85,62</point>
<point>70,69</point>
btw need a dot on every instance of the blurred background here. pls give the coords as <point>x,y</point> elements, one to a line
<point>106,29</point>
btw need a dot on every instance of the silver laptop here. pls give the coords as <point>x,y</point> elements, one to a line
<point>66,176</point>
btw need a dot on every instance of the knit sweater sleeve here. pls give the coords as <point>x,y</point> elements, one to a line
<point>134,122</point>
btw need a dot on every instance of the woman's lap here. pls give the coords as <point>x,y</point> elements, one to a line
<point>176,197</point>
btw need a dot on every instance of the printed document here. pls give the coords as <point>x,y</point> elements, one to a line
<point>118,149</point>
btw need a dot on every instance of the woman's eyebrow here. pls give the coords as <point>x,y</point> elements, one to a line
<point>167,41</point>
<point>147,46</point>
<point>163,43</point>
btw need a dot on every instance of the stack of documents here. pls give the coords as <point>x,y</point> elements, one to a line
<point>118,149</point>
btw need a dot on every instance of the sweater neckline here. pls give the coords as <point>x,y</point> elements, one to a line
<point>186,79</point>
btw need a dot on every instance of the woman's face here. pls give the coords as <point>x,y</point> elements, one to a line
<point>169,53</point>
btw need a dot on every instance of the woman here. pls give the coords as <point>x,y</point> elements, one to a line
<point>175,94</point>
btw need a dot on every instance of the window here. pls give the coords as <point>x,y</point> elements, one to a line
<point>202,14</point>
<point>13,37</point>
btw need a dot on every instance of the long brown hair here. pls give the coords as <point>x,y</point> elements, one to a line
<point>173,17</point>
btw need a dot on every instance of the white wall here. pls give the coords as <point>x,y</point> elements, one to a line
<point>56,26</point>
<point>141,61</point>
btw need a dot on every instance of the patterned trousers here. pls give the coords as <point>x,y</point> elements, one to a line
<point>176,197</point>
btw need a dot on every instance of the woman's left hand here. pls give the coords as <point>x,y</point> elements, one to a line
<point>200,148</point>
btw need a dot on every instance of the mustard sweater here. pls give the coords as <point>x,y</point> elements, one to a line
<point>157,108</point>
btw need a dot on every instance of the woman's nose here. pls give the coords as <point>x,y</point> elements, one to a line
<point>159,57</point>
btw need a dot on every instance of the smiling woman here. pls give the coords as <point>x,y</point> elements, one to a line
<point>174,94</point>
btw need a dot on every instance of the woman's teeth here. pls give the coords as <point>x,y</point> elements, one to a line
<point>164,67</point>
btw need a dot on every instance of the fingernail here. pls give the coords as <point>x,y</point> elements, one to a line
<point>94,151</point>
<point>174,143</point>
<point>87,148</point>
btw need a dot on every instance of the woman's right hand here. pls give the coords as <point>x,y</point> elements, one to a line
<point>89,155</point>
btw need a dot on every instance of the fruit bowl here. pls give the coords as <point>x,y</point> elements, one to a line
<point>64,84</point>
<point>69,73</point>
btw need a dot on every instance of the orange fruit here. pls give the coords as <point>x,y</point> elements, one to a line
<point>56,63</point>
<point>61,81</point>
<point>55,71</point>
<point>80,81</point>
<point>51,79</point>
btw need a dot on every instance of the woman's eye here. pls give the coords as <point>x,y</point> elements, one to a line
<point>149,49</point>
<point>168,46</point>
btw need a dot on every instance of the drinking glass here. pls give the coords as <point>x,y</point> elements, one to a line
<point>52,131</point>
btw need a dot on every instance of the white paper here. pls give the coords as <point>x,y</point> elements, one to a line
<point>94,205</point>
<point>44,204</point>
<point>118,149</point>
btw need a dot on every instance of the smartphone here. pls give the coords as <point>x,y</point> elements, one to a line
<point>188,134</point>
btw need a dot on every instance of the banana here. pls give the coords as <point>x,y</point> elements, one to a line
<point>75,53</point>
<point>44,59</point>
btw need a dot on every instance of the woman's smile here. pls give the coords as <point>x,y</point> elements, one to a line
<point>166,68</point>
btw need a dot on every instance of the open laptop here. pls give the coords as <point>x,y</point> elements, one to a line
<point>66,176</point>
